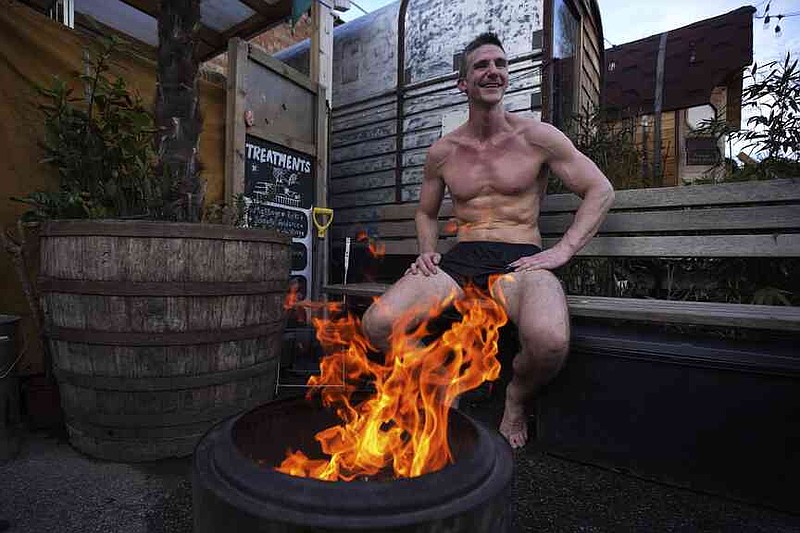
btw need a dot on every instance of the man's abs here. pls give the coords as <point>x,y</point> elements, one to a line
<point>499,218</point>
<point>495,231</point>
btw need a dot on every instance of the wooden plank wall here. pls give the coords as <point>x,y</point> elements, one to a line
<point>752,219</point>
<point>670,152</point>
<point>424,108</point>
<point>364,145</point>
<point>592,62</point>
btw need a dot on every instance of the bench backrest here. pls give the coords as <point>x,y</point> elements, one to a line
<point>745,219</point>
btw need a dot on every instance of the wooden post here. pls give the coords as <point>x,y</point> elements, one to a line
<point>321,68</point>
<point>658,178</point>
<point>234,119</point>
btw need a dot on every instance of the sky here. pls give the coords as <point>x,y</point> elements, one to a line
<point>628,20</point>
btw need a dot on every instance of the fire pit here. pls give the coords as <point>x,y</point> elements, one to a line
<point>236,487</point>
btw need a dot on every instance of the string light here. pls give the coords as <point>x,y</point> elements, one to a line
<point>359,7</point>
<point>767,17</point>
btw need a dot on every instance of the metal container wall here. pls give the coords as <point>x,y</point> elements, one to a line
<point>234,485</point>
<point>9,387</point>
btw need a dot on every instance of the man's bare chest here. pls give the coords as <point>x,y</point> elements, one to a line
<point>470,172</point>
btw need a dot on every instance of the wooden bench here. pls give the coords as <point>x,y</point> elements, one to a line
<point>678,406</point>
<point>753,219</point>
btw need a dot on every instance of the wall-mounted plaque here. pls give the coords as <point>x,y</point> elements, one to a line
<point>702,151</point>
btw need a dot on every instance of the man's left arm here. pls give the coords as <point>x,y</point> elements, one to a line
<point>581,176</point>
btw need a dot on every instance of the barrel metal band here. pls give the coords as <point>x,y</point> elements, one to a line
<point>165,383</point>
<point>159,230</point>
<point>160,288</point>
<point>162,419</point>
<point>161,338</point>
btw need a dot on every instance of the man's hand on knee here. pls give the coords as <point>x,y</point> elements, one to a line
<point>548,260</point>
<point>425,263</point>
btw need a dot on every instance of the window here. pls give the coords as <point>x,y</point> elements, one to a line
<point>63,11</point>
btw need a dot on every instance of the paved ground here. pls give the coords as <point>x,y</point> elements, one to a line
<point>51,488</point>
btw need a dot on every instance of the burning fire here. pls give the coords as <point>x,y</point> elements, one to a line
<point>450,227</point>
<point>294,303</point>
<point>377,249</point>
<point>291,297</point>
<point>402,427</point>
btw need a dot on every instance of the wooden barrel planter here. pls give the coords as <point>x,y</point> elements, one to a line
<point>159,330</point>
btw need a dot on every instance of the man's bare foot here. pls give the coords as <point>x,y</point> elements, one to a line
<point>514,426</point>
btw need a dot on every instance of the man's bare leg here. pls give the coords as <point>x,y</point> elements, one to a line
<point>411,292</point>
<point>537,305</point>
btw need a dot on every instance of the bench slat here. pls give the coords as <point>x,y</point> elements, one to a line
<point>778,245</point>
<point>770,317</point>
<point>746,193</point>
<point>772,217</point>
<point>749,192</point>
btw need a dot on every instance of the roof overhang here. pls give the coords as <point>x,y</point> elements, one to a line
<point>220,20</point>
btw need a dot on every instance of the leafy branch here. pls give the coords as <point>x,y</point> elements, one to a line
<point>100,145</point>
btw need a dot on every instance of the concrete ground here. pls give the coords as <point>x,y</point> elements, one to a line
<point>49,487</point>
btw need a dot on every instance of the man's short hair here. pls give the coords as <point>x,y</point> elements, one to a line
<point>482,39</point>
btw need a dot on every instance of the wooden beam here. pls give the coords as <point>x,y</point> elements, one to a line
<point>658,177</point>
<point>260,56</point>
<point>321,67</point>
<point>207,35</point>
<point>265,18</point>
<point>40,5</point>
<point>150,7</point>
<point>235,132</point>
<point>93,27</point>
<point>262,7</point>
<point>284,140</point>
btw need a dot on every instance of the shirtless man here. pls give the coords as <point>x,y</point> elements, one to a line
<point>492,167</point>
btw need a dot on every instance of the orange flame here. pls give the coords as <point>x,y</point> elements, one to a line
<point>291,297</point>
<point>402,428</point>
<point>450,227</point>
<point>376,248</point>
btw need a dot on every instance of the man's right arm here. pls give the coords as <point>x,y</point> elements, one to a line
<point>427,214</point>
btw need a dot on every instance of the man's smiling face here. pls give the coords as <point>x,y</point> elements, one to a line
<point>486,79</point>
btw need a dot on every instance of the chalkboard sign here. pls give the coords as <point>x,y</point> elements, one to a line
<point>279,187</point>
<point>287,221</point>
<point>278,175</point>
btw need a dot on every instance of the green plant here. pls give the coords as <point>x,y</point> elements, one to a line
<point>610,144</point>
<point>774,90</point>
<point>233,214</point>
<point>100,144</point>
<point>772,135</point>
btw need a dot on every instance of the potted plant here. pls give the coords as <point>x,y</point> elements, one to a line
<point>158,325</point>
